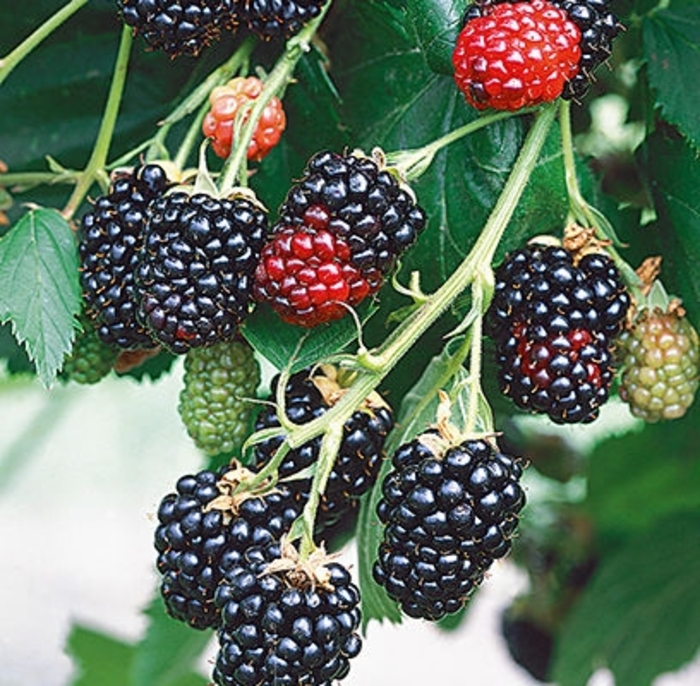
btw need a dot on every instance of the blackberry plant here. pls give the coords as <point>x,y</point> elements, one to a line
<point>451,225</point>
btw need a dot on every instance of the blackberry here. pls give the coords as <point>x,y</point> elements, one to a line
<point>308,396</point>
<point>449,511</point>
<point>349,196</point>
<point>111,237</point>
<point>285,628</point>
<point>215,402</point>
<point>278,18</point>
<point>197,539</point>
<point>195,273</point>
<point>90,360</point>
<point>554,323</point>
<point>599,27</point>
<point>659,360</point>
<point>308,278</point>
<point>178,27</point>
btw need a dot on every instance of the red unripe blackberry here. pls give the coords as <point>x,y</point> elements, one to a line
<point>510,56</point>
<point>110,239</point>
<point>226,102</point>
<point>178,27</point>
<point>285,629</point>
<point>356,201</point>
<point>195,272</point>
<point>278,18</point>
<point>361,451</point>
<point>659,356</point>
<point>197,542</point>
<point>554,323</point>
<point>308,277</point>
<point>449,512</point>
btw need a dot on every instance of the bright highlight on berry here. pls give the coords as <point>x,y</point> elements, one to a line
<point>222,119</point>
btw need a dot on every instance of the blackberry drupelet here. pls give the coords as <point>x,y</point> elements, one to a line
<point>195,273</point>
<point>197,539</point>
<point>514,55</point>
<point>449,511</point>
<point>307,276</point>
<point>599,27</point>
<point>110,239</point>
<point>215,404</point>
<point>90,359</point>
<point>356,201</point>
<point>285,629</point>
<point>659,356</point>
<point>278,18</point>
<point>361,450</point>
<point>179,27</point>
<point>554,323</point>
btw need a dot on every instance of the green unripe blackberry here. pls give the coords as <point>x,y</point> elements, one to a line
<point>91,359</point>
<point>659,356</point>
<point>213,404</point>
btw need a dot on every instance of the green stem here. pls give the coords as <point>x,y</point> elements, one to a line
<point>98,159</point>
<point>191,138</point>
<point>13,58</point>
<point>235,169</point>
<point>411,164</point>
<point>25,180</point>
<point>475,357</point>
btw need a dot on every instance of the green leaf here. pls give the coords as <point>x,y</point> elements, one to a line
<point>283,343</point>
<point>640,614</point>
<point>673,168</point>
<point>39,287</point>
<point>656,466</point>
<point>168,652</point>
<point>100,659</point>
<point>436,24</point>
<point>671,40</point>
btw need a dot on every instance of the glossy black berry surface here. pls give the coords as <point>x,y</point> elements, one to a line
<point>195,272</point>
<point>278,18</point>
<point>447,516</point>
<point>110,239</point>
<point>359,457</point>
<point>554,323</point>
<point>274,633</point>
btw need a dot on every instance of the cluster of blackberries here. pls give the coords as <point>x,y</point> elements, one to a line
<point>449,510</point>
<point>341,229</point>
<point>170,269</point>
<point>187,26</point>
<point>308,396</point>
<point>223,566</point>
<point>554,323</point>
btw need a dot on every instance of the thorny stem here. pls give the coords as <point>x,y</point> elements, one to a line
<point>98,159</point>
<point>14,57</point>
<point>376,365</point>
<point>235,169</point>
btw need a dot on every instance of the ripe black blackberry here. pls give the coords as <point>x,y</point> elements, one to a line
<point>449,511</point>
<point>278,18</point>
<point>197,539</point>
<point>195,272</point>
<point>110,239</point>
<point>554,323</point>
<point>286,628</point>
<point>598,26</point>
<point>178,27</point>
<point>307,397</point>
<point>349,196</point>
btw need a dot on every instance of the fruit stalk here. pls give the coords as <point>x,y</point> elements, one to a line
<point>14,57</point>
<point>98,158</point>
<point>235,168</point>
